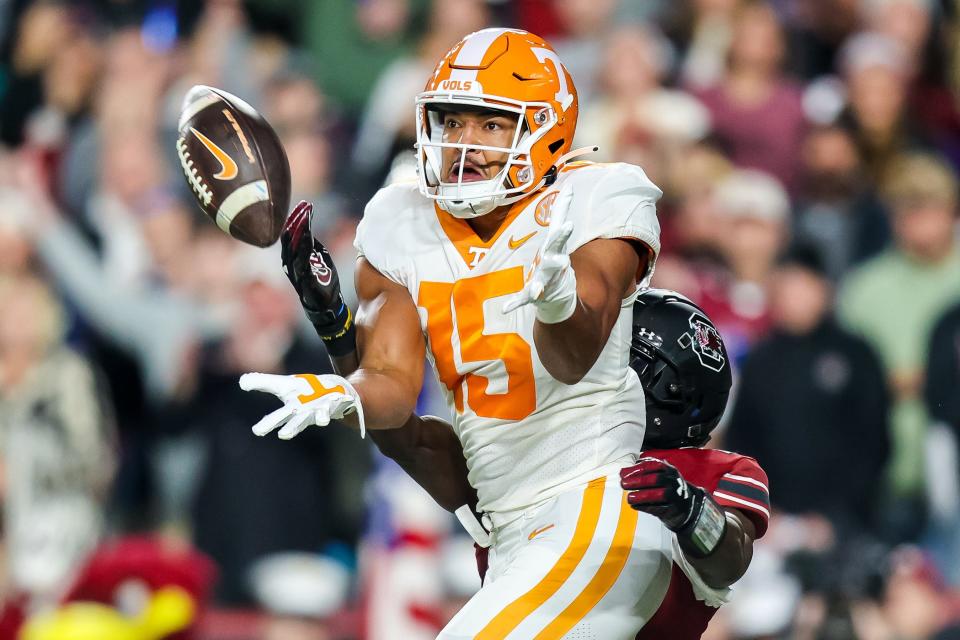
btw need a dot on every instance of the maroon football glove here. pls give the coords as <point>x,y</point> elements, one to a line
<point>656,487</point>
<point>312,273</point>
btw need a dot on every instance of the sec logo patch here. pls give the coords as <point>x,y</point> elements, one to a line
<point>542,213</point>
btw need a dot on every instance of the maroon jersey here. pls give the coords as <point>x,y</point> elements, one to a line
<point>735,482</point>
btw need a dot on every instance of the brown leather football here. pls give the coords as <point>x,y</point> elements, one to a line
<point>235,165</point>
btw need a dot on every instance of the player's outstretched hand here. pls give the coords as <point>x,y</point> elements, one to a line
<point>308,399</point>
<point>312,273</point>
<point>551,284</point>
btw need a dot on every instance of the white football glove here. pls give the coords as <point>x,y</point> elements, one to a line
<point>551,284</point>
<point>308,399</point>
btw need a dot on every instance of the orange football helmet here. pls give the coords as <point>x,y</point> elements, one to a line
<point>506,70</point>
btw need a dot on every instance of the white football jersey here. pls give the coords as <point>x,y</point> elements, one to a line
<point>525,435</point>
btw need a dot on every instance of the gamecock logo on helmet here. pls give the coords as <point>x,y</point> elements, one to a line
<point>705,341</point>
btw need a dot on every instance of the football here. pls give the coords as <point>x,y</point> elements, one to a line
<point>234,164</point>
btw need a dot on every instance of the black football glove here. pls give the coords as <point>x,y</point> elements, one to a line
<point>312,273</point>
<point>657,487</point>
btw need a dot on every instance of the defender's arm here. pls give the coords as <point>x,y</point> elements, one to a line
<point>731,557</point>
<point>717,541</point>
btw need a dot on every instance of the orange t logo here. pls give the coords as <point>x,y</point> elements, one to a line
<point>317,387</point>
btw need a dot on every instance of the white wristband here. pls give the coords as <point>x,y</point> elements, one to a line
<point>707,531</point>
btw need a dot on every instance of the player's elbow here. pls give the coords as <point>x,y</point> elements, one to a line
<point>723,577</point>
<point>396,444</point>
<point>729,565</point>
<point>570,363</point>
<point>567,351</point>
<point>567,379</point>
<point>568,372</point>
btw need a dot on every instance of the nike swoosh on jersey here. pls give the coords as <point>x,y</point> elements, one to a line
<point>536,532</point>
<point>516,244</point>
<point>228,168</point>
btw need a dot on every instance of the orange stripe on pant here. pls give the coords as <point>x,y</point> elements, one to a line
<point>514,613</point>
<point>601,583</point>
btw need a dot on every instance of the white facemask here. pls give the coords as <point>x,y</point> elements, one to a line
<point>476,198</point>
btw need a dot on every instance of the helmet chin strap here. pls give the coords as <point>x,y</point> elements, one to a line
<point>575,153</point>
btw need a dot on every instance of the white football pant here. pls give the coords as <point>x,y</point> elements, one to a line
<point>582,565</point>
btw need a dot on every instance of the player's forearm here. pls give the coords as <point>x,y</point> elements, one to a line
<point>605,274</point>
<point>378,416</point>
<point>430,452</point>
<point>570,348</point>
<point>730,559</point>
<point>388,398</point>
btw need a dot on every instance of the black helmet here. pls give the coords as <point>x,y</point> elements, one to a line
<point>683,366</point>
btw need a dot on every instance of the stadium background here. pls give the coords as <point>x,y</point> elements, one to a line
<point>808,152</point>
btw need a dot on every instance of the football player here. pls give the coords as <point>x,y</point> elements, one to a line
<point>684,368</point>
<point>716,502</point>
<point>515,272</point>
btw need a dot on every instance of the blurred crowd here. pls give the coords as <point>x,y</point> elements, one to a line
<point>808,151</point>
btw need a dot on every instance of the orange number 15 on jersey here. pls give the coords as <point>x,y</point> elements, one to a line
<point>462,302</point>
